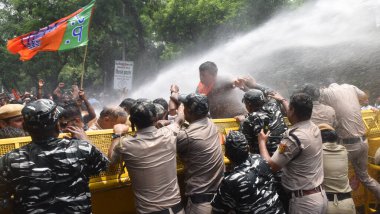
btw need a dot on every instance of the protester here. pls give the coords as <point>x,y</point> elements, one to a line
<point>71,116</point>
<point>199,148</point>
<point>150,158</point>
<point>300,156</point>
<point>220,91</point>
<point>345,99</point>
<point>321,113</point>
<point>165,106</point>
<point>109,117</point>
<point>58,93</point>
<point>365,104</point>
<point>249,187</point>
<point>49,175</point>
<point>10,115</point>
<point>335,168</point>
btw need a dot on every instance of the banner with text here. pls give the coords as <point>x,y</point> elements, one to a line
<point>123,75</point>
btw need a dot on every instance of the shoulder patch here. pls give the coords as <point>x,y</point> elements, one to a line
<point>281,148</point>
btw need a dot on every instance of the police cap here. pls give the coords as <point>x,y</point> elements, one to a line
<point>10,110</point>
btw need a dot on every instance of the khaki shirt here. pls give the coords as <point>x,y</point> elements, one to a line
<point>323,114</point>
<point>345,101</point>
<point>199,148</point>
<point>305,172</point>
<point>335,168</point>
<point>150,157</point>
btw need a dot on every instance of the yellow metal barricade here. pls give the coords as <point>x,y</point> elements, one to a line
<point>112,192</point>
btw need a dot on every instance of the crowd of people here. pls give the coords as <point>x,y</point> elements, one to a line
<point>273,168</point>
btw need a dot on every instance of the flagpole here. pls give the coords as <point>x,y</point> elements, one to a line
<point>84,62</point>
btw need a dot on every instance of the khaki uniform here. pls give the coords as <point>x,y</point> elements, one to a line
<point>323,114</point>
<point>150,157</point>
<point>199,148</point>
<point>335,166</point>
<point>345,101</point>
<point>302,170</point>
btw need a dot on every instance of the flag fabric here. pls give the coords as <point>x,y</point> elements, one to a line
<point>66,33</point>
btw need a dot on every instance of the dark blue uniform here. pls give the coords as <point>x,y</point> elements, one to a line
<point>51,176</point>
<point>249,188</point>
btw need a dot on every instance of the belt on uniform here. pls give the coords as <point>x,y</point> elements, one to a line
<point>202,198</point>
<point>353,140</point>
<point>340,196</point>
<point>175,209</point>
<point>300,193</point>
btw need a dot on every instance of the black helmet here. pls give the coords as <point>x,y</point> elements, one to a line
<point>41,114</point>
<point>254,97</point>
<point>197,103</point>
<point>143,113</point>
<point>236,147</point>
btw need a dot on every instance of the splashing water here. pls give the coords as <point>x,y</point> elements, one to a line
<point>326,38</point>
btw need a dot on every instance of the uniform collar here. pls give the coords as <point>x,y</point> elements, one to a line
<point>200,121</point>
<point>146,130</point>
<point>302,123</point>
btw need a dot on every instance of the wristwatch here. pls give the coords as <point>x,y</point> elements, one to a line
<point>114,136</point>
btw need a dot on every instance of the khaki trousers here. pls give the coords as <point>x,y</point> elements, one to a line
<point>346,206</point>
<point>309,204</point>
<point>358,156</point>
<point>202,208</point>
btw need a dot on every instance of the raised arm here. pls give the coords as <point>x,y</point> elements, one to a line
<point>90,109</point>
<point>41,83</point>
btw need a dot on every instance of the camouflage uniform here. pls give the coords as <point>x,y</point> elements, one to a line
<point>249,188</point>
<point>51,177</point>
<point>254,122</point>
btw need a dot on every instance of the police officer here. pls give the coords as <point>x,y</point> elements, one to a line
<point>261,115</point>
<point>10,115</point>
<point>248,188</point>
<point>300,155</point>
<point>49,175</point>
<point>345,99</point>
<point>150,157</point>
<point>199,148</point>
<point>321,113</point>
<point>335,167</point>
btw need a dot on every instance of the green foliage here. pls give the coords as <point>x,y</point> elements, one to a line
<point>150,32</point>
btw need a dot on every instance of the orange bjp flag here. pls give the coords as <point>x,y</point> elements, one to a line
<point>66,33</point>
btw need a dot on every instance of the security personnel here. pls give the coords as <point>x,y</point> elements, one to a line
<point>199,148</point>
<point>321,113</point>
<point>300,157</point>
<point>345,99</point>
<point>10,115</point>
<point>150,158</point>
<point>248,188</point>
<point>262,115</point>
<point>49,175</point>
<point>335,167</point>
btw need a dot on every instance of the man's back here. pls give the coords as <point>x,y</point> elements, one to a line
<point>51,176</point>
<point>150,157</point>
<point>323,114</point>
<point>199,148</point>
<point>225,101</point>
<point>345,101</point>
<point>335,168</point>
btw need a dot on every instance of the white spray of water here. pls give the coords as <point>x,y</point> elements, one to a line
<point>325,24</point>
